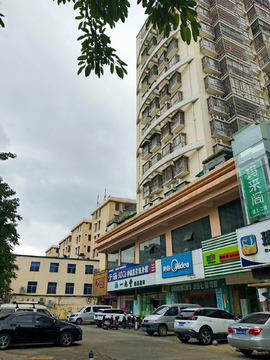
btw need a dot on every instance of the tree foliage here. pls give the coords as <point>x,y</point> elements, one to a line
<point>96,15</point>
<point>8,232</point>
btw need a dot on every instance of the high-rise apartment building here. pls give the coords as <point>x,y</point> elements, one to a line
<point>191,99</point>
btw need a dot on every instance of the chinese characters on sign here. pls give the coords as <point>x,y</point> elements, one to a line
<point>204,285</point>
<point>177,265</point>
<point>255,189</point>
<point>123,272</point>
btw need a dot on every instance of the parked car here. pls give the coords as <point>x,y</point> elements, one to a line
<point>204,324</point>
<point>162,319</point>
<point>108,313</point>
<point>34,327</point>
<point>6,309</point>
<point>251,333</point>
<point>86,314</point>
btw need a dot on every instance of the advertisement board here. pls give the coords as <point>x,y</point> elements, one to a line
<point>177,265</point>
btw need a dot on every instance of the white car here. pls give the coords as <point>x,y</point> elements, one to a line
<point>204,324</point>
<point>108,313</point>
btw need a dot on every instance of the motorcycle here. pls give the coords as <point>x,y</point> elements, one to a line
<point>110,323</point>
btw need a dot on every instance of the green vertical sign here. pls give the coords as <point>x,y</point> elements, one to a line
<point>255,189</point>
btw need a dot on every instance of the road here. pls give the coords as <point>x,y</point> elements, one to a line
<point>125,345</point>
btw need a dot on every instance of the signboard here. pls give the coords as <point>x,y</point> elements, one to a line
<point>255,189</point>
<point>177,265</point>
<point>123,277</point>
<point>254,244</point>
<point>229,253</point>
<point>195,286</point>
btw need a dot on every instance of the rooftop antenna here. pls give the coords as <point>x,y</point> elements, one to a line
<point>98,200</point>
<point>105,196</point>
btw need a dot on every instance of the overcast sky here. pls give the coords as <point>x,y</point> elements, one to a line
<point>73,136</point>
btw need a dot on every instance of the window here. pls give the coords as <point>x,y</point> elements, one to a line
<point>34,266</point>
<point>69,288</point>
<point>90,226</point>
<point>89,269</point>
<point>51,288</point>
<point>89,237</point>
<point>189,237</point>
<point>128,255</point>
<point>32,287</point>
<point>45,320</point>
<point>54,267</point>
<point>24,318</point>
<point>231,216</point>
<point>117,205</point>
<point>88,249</point>
<point>71,268</point>
<point>153,249</point>
<point>87,290</point>
<point>112,260</point>
<point>98,225</point>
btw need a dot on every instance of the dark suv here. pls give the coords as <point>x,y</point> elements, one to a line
<point>203,324</point>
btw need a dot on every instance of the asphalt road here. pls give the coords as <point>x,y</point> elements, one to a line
<point>125,345</point>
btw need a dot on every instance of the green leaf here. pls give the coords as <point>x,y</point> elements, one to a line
<point>112,68</point>
<point>119,72</point>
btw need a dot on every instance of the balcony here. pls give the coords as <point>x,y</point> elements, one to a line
<point>164,94</point>
<point>174,60</point>
<point>153,74</point>
<point>264,60</point>
<point>216,106</point>
<point>220,129</point>
<point>166,150</point>
<point>246,37</point>
<point>154,143</point>
<point>145,84</point>
<point>205,3</point>
<point>144,56</point>
<point>175,82</point>
<point>177,97</point>
<point>146,189</point>
<point>152,44</point>
<point>155,158</point>
<point>219,147</point>
<point>146,166</point>
<point>179,141</point>
<point>177,122</point>
<point>211,66</point>
<point>213,85</point>
<point>206,30</point>
<point>146,154</point>
<point>166,133</point>
<point>208,47</point>
<point>168,176</point>
<point>181,167</point>
<point>165,108</point>
<point>203,13</point>
<point>154,107</point>
<point>162,61</point>
<point>156,184</point>
<point>267,78</point>
<point>144,129</point>
<point>145,115</point>
<point>172,48</point>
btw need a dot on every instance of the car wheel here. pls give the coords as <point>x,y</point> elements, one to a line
<point>162,330</point>
<point>205,336</point>
<point>79,321</point>
<point>66,339</point>
<point>246,352</point>
<point>151,333</point>
<point>5,341</point>
<point>184,339</point>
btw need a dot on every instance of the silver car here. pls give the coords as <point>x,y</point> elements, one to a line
<point>251,333</point>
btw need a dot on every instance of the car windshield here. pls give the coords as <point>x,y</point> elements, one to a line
<point>161,310</point>
<point>255,319</point>
<point>5,312</point>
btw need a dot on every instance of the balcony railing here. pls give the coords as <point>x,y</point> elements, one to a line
<point>174,60</point>
<point>152,44</point>
<point>162,61</point>
<point>166,150</point>
<point>206,30</point>
<point>154,143</point>
<point>175,82</point>
<point>154,107</point>
<point>220,129</point>
<point>165,107</point>
<point>181,167</point>
<point>172,48</point>
<point>168,176</point>
<point>145,115</point>
<point>146,166</point>
<point>178,96</point>
<point>178,121</point>
<point>216,106</point>
<point>153,74</point>
<point>203,13</point>
<point>146,154</point>
<point>218,147</point>
<point>166,133</point>
<point>156,184</point>
<point>213,85</point>
<point>155,158</point>
<point>164,94</point>
<point>179,141</point>
<point>147,189</point>
<point>207,47</point>
<point>210,65</point>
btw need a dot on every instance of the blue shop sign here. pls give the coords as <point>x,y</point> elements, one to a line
<point>177,265</point>
<point>124,272</point>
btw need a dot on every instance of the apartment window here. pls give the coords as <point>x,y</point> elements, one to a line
<point>128,255</point>
<point>88,249</point>
<point>189,237</point>
<point>90,226</point>
<point>112,260</point>
<point>34,266</point>
<point>71,268</point>
<point>95,227</point>
<point>89,237</point>
<point>69,288</point>
<point>51,288</point>
<point>87,289</point>
<point>32,287</point>
<point>89,269</point>
<point>153,249</point>
<point>231,216</point>
<point>99,212</point>
<point>98,225</point>
<point>117,205</point>
<point>54,267</point>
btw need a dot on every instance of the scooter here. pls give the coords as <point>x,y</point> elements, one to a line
<point>111,323</point>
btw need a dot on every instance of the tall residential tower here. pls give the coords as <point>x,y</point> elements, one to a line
<point>192,98</point>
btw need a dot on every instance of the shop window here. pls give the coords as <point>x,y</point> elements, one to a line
<point>153,249</point>
<point>128,254</point>
<point>231,216</point>
<point>112,260</point>
<point>189,237</point>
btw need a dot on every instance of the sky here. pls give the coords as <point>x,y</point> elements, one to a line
<point>73,136</point>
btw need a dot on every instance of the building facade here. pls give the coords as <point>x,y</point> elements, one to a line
<point>192,98</point>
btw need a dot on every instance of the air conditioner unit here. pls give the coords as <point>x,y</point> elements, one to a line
<point>50,303</point>
<point>23,289</point>
<point>172,186</point>
<point>42,300</point>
